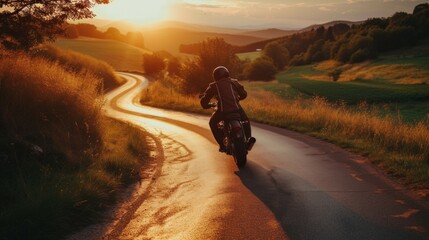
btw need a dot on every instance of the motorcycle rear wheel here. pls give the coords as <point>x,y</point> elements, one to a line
<point>240,153</point>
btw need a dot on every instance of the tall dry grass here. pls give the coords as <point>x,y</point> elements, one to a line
<point>79,63</point>
<point>155,95</point>
<point>401,148</point>
<point>44,103</point>
<point>61,161</point>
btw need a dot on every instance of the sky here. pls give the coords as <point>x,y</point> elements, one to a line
<point>289,14</point>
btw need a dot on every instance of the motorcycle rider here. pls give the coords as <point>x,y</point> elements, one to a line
<point>228,93</point>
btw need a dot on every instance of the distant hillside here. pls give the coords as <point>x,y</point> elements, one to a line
<point>169,35</point>
<point>170,39</point>
<point>330,24</point>
<point>191,27</point>
<point>260,45</point>
<point>269,33</point>
<point>123,26</point>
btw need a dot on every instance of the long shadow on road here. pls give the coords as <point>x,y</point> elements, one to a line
<point>306,212</point>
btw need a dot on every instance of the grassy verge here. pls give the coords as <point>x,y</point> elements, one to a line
<point>61,161</point>
<point>400,148</point>
<point>44,198</point>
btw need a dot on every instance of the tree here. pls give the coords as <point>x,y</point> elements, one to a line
<point>24,24</point>
<point>213,52</point>
<point>420,8</point>
<point>173,66</point>
<point>278,54</point>
<point>71,32</point>
<point>114,34</point>
<point>88,30</point>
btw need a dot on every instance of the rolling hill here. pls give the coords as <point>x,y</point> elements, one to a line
<point>329,24</point>
<point>170,39</point>
<point>120,55</point>
<point>169,35</point>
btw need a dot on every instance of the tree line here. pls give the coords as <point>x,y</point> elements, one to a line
<point>360,42</point>
<point>88,30</point>
<point>341,42</point>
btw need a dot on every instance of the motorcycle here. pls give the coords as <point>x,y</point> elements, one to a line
<point>236,142</point>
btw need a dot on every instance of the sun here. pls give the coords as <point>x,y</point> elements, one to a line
<point>136,11</point>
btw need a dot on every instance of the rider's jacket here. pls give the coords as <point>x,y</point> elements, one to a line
<point>227,91</point>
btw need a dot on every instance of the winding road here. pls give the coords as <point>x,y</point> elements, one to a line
<point>294,186</point>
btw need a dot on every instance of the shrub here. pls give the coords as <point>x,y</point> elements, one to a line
<point>335,74</point>
<point>173,66</point>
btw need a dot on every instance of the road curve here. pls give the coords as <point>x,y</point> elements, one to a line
<point>294,186</point>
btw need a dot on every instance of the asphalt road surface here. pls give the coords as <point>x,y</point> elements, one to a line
<point>293,187</point>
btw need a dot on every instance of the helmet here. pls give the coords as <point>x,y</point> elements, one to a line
<point>220,72</point>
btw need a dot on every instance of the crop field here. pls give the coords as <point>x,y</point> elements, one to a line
<point>120,55</point>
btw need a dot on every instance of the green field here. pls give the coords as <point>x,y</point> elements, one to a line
<point>395,83</point>
<point>372,91</point>
<point>120,55</point>
<point>249,55</point>
<point>410,101</point>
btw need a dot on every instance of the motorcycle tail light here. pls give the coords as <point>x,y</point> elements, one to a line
<point>237,128</point>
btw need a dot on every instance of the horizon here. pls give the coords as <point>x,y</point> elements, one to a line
<point>248,14</point>
<point>103,23</point>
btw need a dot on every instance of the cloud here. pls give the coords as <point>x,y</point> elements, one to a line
<point>323,8</point>
<point>289,14</point>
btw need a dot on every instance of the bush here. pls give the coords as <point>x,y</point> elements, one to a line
<point>262,69</point>
<point>173,66</point>
<point>153,64</point>
<point>335,74</point>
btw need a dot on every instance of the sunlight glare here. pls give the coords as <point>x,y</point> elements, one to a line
<point>136,11</point>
